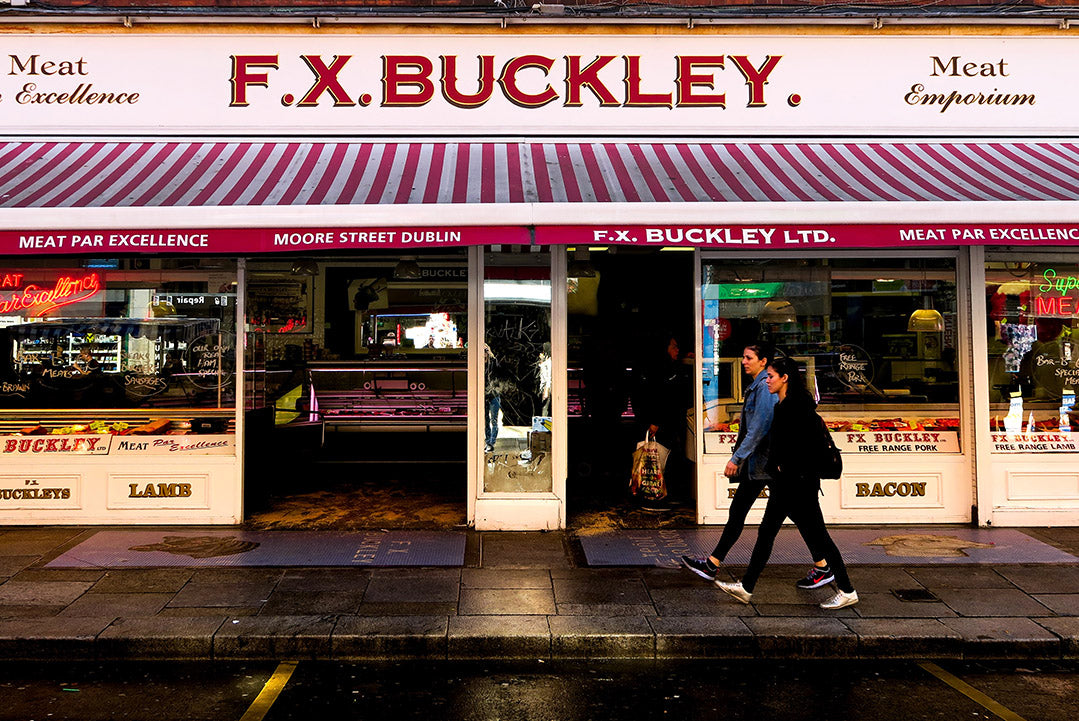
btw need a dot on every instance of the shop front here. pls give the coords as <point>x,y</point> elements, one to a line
<point>119,391</point>
<point>201,280</point>
<point>879,339</point>
<point>1026,350</point>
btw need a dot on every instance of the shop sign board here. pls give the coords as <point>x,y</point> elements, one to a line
<point>802,237</point>
<point>234,241</point>
<point>875,490</point>
<point>39,491</point>
<point>1035,442</point>
<point>793,238</point>
<point>192,445</point>
<point>862,442</point>
<point>56,445</point>
<point>542,84</point>
<point>898,441</point>
<point>143,491</point>
<point>107,444</point>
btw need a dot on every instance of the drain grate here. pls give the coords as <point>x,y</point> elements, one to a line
<point>914,595</point>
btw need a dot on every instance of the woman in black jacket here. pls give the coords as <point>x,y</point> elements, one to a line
<point>794,486</point>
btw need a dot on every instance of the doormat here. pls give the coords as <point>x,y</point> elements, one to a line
<point>152,549</point>
<point>874,546</point>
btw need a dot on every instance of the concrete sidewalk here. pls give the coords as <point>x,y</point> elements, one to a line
<point>522,595</point>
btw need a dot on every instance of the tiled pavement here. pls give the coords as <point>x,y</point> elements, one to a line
<point>521,595</point>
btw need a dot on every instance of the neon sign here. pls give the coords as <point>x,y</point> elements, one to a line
<point>1062,284</point>
<point>1052,306</point>
<point>37,301</point>
<point>1057,305</point>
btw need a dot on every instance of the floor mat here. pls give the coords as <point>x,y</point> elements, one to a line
<point>124,549</point>
<point>876,546</point>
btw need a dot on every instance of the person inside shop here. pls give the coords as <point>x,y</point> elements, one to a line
<point>746,467</point>
<point>173,364</point>
<point>86,364</point>
<point>492,397</point>
<point>543,375</point>
<point>794,486</point>
<point>663,394</point>
<point>607,388</point>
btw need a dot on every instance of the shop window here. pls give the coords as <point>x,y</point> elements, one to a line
<point>877,340</point>
<point>371,343</point>
<point>517,373</point>
<point>1033,355</point>
<point>112,348</point>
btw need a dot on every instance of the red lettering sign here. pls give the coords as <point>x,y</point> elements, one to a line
<point>35,301</point>
<point>396,75</point>
<point>450,90</point>
<point>688,79</point>
<point>242,77</point>
<point>513,92</point>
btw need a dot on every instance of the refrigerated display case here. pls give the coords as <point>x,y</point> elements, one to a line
<point>390,396</point>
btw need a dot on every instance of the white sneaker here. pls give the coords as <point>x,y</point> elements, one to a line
<point>735,589</point>
<point>840,600</point>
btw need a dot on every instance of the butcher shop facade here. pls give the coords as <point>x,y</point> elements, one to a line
<point>229,248</point>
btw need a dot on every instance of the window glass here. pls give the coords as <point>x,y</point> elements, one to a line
<point>111,346</point>
<point>517,372</point>
<point>377,341</point>
<point>1033,355</point>
<point>876,339</point>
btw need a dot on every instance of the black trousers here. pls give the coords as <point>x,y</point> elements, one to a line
<point>797,500</point>
<point>748,491</point>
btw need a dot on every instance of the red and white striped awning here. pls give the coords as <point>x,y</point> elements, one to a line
<point>178,174</point>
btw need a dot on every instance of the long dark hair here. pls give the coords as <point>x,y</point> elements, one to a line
<point>796,384</point>
<point>764,350</point>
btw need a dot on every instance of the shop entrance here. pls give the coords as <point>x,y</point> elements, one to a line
<point>624,307</point>
<point>358,391</point>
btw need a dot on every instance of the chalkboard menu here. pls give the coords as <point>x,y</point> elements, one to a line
<point>1054,370</point>
<point>211,360</point>
<point>853,366</point>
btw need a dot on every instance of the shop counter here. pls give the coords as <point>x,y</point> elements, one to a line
<point>390,395</point>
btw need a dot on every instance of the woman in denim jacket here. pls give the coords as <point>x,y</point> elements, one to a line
<point>747,468</point>
<point>794,486</point>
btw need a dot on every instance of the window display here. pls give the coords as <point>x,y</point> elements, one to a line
<point>1033,355</point>
<point>517,373</point>
<point>386,345</point>
<point>877,340</point>
<point>425,395</point>
<point>117,351</point>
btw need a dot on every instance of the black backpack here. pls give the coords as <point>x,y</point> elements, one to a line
<point>829,461</point>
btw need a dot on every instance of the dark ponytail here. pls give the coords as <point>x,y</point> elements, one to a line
<point>796,384</point>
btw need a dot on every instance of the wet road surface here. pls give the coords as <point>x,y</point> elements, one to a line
<point>536,691</point>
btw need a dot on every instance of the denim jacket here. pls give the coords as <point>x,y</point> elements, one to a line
<point>752,445</point>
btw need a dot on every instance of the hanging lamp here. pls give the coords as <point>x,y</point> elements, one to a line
<point>925,319</point>
<point>778,311</point>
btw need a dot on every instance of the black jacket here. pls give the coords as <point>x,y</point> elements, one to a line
<point>793,439</point>
<point>664,393</point>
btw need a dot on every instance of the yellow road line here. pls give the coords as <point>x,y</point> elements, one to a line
<point>269,693</point>
<point>972,693</point>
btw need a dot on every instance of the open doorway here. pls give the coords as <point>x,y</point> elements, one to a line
<point>357,391</point>
<point>624,308</point>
